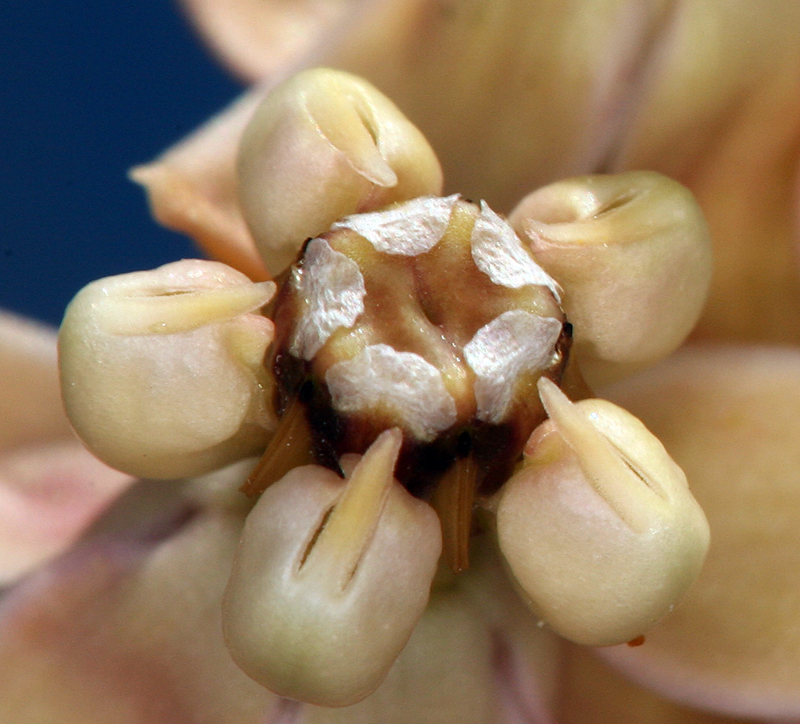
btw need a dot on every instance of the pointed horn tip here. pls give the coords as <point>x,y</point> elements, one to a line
<point>551,395</point>
<point>390,440</point>
<point>380,457</point>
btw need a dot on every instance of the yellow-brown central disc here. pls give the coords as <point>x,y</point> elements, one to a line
<point>430,316</point>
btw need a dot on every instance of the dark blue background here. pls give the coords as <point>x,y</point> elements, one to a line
<point>88,90</point>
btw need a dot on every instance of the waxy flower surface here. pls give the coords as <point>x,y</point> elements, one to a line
<point>429,507</point>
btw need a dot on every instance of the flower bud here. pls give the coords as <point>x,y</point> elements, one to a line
<point>161,371</point>
<point>633,255</point>
<point>599,527</point>
<point>323,145</point>
<point>330,578</point>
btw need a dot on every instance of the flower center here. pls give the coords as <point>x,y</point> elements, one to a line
<point>430,316</point>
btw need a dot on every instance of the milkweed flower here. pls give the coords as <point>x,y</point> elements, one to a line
<point>159,653</point>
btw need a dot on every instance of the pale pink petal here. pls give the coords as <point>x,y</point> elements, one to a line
<point>192,189</point>
<point>50,487</point>
<point>49,493</point>
<point>527,656</point>
<point>722,116</point>
<point>128,633</point>
<point>731,418</point>
<point>593,693</point>
<point>445,674</point>
<point>259,38</point>
<point>30,394</point>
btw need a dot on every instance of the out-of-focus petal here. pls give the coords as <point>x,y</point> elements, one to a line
<point>48,494</point>
<point>443,675</point>
<point>258,38</point>
<point>128,633</point>
<point>528,656</point>
<point>722,116</point>
<point>511,94</point>
<point>192,189</point>
<point>50,487</point>
<point>30,396</point>
<point>730,417</point>
<point>592,692</point>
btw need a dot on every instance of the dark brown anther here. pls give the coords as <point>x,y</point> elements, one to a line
<point>453,500</point>
<point>289,448</point>
<point>572,382</point>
